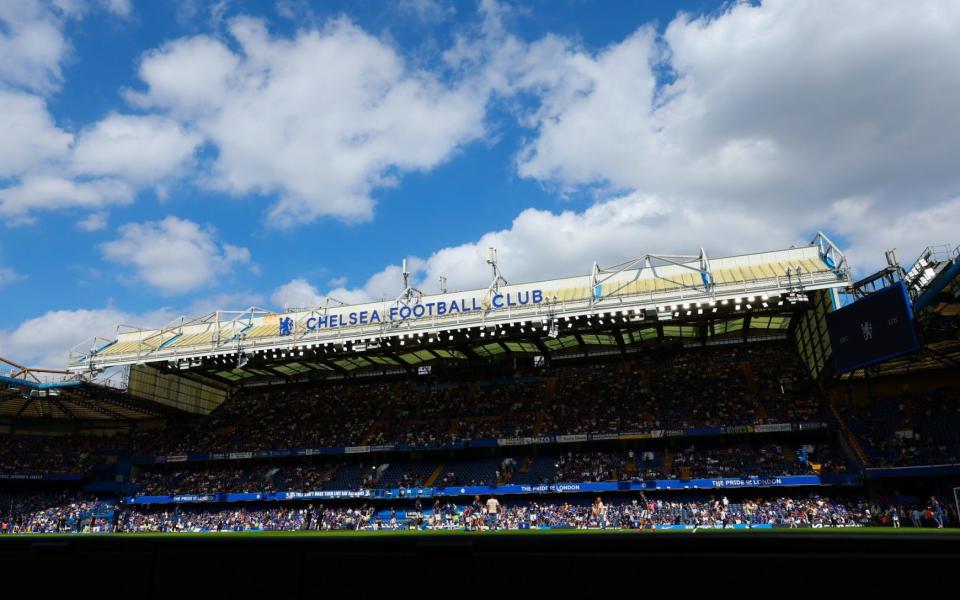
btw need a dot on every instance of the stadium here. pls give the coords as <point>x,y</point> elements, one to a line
<point>309,297</point>
<point>736,395</point>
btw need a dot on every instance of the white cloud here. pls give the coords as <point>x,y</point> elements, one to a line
<point>106,164</point>
<point>121,8</point>
<point>46,168</point>
<point>190,77</point>
<point>45,341</point>
<point>174,255</point>
<point>40,160</point>
<point>137,148</point>
<point>386,284</point>
<point>768,102</point>
<point>872,229</point>
<point>8,275</point>
<point>29,137</point>
<point>93,222</point>
<point>322,119</point>
<point>228,301</point>
<point>429,11</point>
<point>32,44</point>
<point>297,293</point>
<point>383,285</point>
<point>774,111</point>
<point>49,192</point>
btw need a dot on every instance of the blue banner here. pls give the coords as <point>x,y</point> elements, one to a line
<point>627,486</point>
<point>507,490</point>
<point>250,497</point>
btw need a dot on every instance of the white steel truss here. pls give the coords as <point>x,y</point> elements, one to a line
<point>614,289</point>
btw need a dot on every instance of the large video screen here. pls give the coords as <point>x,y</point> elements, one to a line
<point>872,329</point>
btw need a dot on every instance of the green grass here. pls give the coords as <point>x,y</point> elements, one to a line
<point>548,532</point>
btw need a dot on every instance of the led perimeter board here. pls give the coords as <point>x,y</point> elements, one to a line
<point>873,329</point>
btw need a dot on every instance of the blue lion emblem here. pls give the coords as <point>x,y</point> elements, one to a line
<point>286,326</point>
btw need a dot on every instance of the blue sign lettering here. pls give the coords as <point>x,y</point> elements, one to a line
<point>417,311</point>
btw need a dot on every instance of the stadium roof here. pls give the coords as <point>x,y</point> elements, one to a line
<point>617,309</point>
<point>29,393</point>
<point>934,281</point>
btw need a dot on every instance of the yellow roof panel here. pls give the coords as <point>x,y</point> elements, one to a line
<point>122,348</point>
<point>192,339</point>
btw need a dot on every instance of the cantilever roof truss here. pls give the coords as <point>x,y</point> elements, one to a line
<point>648,288</point>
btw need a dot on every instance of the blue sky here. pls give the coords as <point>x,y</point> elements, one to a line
<point>166,158</point>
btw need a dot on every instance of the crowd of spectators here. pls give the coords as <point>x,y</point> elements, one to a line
<point>67,512</point>
<point>765,460</point>
<point>814,511</point>
<point>199,519</point>
<point>768,460</point>
<point>29,454</point>
<point>211,478</point>
<point>712,388</point>
<point>694,461</point>
<point>910,429</point>
<point>709,388</point>
<point>728,387</point>
<point>276,417</point>
<point>691,389</point>
<point>192,519</point>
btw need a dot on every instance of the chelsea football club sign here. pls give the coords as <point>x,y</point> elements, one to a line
<point>434,308</point>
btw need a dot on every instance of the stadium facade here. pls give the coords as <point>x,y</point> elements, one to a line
<point>666,375</point>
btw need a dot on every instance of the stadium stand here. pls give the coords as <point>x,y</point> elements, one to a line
<point>708,460</point>
<point>674,393</point>
<point>720,390</point>
<point>730,421</point>
<point>32,454</point>
<point>910,429</point>
<point>710,388</point>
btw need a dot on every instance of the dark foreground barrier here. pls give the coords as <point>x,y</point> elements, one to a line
<point>310,566</point>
